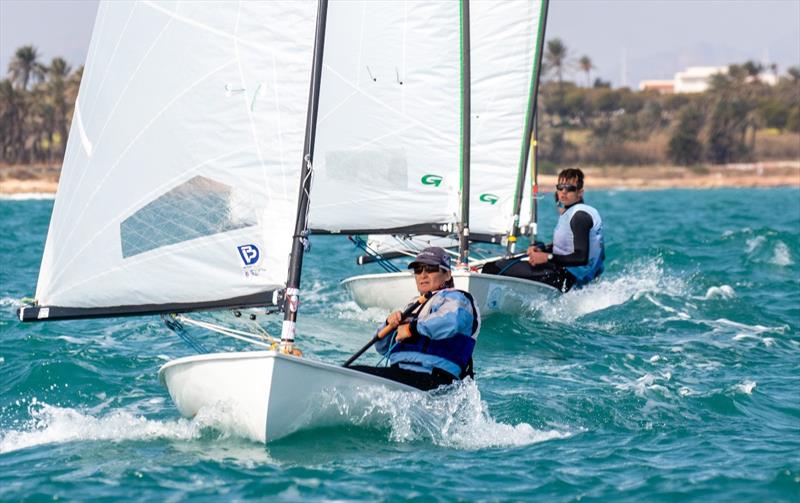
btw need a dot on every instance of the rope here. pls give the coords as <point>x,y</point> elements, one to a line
<point>385,264</point>
<point>174,323</point>
<point>230,332</point>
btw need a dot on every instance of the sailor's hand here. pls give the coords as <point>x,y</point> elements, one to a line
<point>394,319</point>
<point>532,249</point>
<point>537,258</point>
<point>403,332</point>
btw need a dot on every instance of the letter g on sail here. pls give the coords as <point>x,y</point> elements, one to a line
<point>489,198</point>
<point>431,179</point>
<point>249,254</point>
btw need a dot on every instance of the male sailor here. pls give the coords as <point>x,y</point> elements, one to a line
<point>432,346</point>
<point>576,255</point>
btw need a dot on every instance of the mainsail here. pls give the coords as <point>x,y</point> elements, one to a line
<point>179,185</point>
<point>388,142</point>
<point>506,41</point>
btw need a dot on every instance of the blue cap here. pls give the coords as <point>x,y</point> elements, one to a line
<point>432,256</point>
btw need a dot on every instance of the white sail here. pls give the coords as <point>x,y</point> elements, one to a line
<point>504,47</point>
<point>180,179</point>
<point>388,136</point>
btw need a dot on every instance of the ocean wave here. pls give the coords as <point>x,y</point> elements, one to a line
<point>8,301</point>
<point>755,243</point>
<point>781,255</point>
<point>634,282</point>
<point>745,387</point>
<point>349,310</point>
<point>31,196</point>
<point>50,424</point>
<point>453,416</point>
<point>719,292</point>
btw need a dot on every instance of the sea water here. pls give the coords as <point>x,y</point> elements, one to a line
<point>675,377</point>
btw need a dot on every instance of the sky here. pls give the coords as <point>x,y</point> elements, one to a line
<point>627,40</point>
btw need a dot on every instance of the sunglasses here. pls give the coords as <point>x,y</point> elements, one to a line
<point>567,186</point>
<point>420,268</point>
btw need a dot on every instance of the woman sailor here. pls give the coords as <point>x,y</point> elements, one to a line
<point>433,346</point>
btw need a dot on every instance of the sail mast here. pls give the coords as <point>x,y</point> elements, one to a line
<point>300,238</point>
<point>463,227</point>
<point>529,126</point>
<point>534,224</point>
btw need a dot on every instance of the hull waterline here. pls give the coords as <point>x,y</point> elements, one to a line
<point>265,395</point>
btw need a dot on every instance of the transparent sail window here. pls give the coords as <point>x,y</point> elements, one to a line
<point>197,208</point>
<point>371,168</point>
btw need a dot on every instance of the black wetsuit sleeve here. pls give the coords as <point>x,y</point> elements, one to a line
<point>580,224</point>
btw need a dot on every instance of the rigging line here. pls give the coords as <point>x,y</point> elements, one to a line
<point>229,332</point>
<point>384,263</point>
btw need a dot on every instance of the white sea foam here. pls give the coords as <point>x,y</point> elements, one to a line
<point>637,280</point>
<point>349,310</point>
<point>27,196</point>
<point>781,255</point>
<point>8,301</point>
<point>50,424</point>
<point>719,292</point>
<point>755,243</point>
<point>453,417</point>
<point>746,387</point>
<point>744,331</point>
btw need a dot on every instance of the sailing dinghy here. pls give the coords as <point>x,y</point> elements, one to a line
<point>506,42</point>
<point>187,178</point>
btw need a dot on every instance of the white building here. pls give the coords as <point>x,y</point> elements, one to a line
<point>695,79</point>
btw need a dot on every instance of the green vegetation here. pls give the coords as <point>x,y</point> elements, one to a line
<point>739,119</point>
<point>36,103</point>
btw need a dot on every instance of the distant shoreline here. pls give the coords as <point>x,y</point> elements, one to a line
<point>37,181</point>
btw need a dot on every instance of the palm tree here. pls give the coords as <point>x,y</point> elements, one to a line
<point>57,81</point>
<point>753,70</point>
<point>586,66</point>
<point>11,118</point>
<point>25,66</point>
<point>556,57</point>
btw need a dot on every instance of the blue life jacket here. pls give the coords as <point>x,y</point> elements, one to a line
<point>456,349</point>
<point>563,243</point>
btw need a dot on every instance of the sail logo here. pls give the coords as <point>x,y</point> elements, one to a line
<point>431,179</point>
<point>489,198</point>
<point>249,254</point>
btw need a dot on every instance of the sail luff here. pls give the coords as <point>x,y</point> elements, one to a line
<point>466,118</point>
<point>300,238</point>
<point>529,127</point>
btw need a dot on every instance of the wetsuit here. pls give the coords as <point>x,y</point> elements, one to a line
<point>577,248</point>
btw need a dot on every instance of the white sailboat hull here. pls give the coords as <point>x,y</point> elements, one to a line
<point>492,294</point>
<point>265,395</point>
